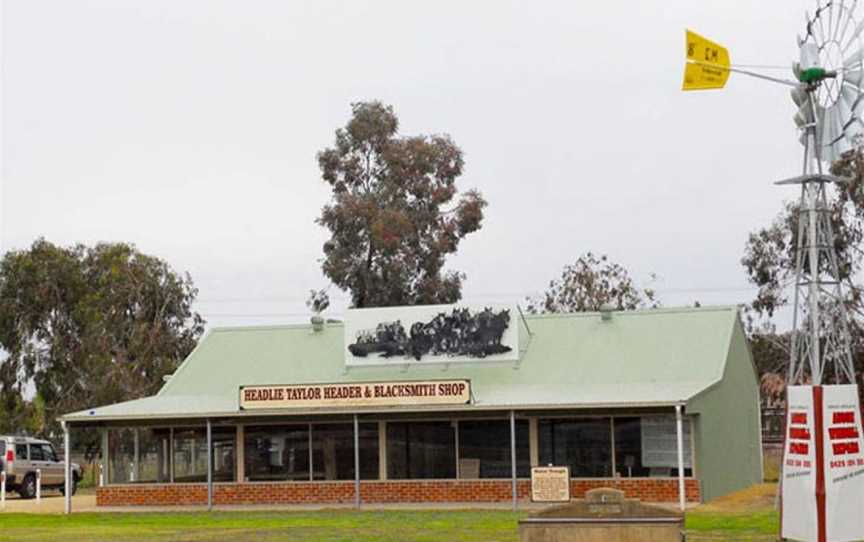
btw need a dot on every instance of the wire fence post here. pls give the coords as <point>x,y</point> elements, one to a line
<point>3,490</point>
<point>38,485</point>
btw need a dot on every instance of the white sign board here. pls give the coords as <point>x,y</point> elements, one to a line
<point>431,334</point>
<point>844,463</point>
<point>660,442</point>
<point>824,450</point>
<point>550,484</point>
<point>356,394</point>
<point>799,472</point>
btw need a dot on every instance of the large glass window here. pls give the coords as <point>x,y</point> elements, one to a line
<point>584,445</point>
<point>417,450</point>
<point>484,449</point>
<point>153,456</point>
<point>333,451</point>
<point>224,454</point>
<point>275,452</point>
<point>628,448</point>
<point>190,455</point>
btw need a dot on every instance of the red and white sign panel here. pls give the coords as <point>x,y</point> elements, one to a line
<point>799,460</point>
<point>844,464</point>
<point>833,411</point>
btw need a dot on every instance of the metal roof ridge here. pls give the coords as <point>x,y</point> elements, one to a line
<point>636,312</point>
<point>528,316</point>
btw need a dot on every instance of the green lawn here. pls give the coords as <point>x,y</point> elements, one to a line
<point>338,525</point>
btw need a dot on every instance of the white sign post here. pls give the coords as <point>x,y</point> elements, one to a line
<point>823,465</point>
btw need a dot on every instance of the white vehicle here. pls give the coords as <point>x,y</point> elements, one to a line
<point>21,457</point>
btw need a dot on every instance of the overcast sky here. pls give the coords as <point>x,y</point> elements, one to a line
<point>190,129</point>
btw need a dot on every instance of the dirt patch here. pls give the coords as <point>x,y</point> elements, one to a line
<point>52,503</point>
<point>758,497</point>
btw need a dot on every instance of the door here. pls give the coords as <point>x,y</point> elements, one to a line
<point>53,472</point>
<point>39,461</point>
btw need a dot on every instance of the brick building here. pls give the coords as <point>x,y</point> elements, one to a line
<point>432,404</point>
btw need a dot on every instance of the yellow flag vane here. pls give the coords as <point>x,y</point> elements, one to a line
<point>708,64</point>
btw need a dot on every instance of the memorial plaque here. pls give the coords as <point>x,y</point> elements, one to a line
<point>550,484</point>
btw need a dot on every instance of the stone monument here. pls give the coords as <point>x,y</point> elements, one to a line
<point>605,515</point>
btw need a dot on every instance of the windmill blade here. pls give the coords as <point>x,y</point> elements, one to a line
<point>858,29</point>
<point>843,106</point>
<point>799,96</point>
<point>840,147</point>
<point>855,77</point>
<point>803,117</point>
<point>819,28</point>
<point>851,94</point>
<point>810,25</point>
<point>854,59</point>
<point>854,131</point>
<point>833,127</point>
<point>838,20</point>
<point>849,19</point>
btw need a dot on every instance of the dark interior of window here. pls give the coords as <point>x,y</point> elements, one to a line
<point>275,452</point>
<point>419,450</point>
<point>584,445</point>
<point>628,448</point>
<point>333,451</point>
<point>484,449</point>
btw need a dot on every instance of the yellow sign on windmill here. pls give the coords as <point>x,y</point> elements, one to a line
<point>707,64</point>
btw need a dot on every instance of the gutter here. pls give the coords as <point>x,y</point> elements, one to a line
<point>417,410</point>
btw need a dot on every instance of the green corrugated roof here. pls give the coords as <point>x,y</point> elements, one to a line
<point>646,358</point>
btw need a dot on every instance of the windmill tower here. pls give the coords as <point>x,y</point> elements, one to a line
<point>829,100</point>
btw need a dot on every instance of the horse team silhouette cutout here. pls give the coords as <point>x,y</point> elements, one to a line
<point>459,333</point>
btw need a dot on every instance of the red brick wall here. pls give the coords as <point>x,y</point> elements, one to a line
<point>390,491</point>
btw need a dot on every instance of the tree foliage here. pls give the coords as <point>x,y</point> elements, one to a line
<point>395,212</point>
<point>86,326</point>
<point>588,284</point>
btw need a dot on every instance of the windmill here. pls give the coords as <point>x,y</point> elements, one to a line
<point>822,482</point>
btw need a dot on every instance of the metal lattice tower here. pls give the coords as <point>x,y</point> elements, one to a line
<point>821,345</point>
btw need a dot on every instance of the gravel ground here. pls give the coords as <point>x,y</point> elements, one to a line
<point>52,503</point>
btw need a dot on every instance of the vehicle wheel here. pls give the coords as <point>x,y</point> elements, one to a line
<point>72,490</point>
<point>27,489</point>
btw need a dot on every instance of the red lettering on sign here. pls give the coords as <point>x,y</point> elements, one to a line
<point>799,448</point>
<point>799,418</point>
<point>845,448</point>
<point>799,433</point>
<point>843,417</point>
<point>842,433</point>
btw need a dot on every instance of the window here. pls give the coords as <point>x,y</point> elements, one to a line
<point>487,442</point>
<point>584,445</point>
<point>36,453</point>
<point>333,451</point>
<point>48,453</point>
<point>153,456</point>
<point>277,452</point>
<point>190,455</point>
<point>224,456</point>
<point>417,450</point>
<point>2,449</point>
<point>21,451</point>
<point>628,448</point>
